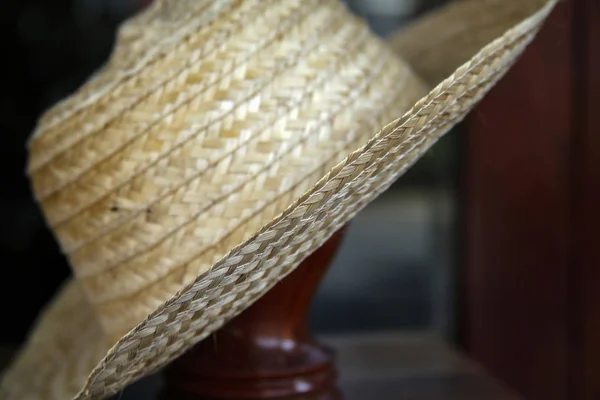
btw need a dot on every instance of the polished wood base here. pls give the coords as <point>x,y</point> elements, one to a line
<point>267,352</point>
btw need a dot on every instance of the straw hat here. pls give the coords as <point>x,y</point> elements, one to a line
<point>222,143</point>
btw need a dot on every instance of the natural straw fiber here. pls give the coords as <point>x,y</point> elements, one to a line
<point>210,161</point>
<point>221,145</point>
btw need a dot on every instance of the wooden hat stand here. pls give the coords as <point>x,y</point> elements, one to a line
<point>267,352</point>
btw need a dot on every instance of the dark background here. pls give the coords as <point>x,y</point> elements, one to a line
<point>49,47</point>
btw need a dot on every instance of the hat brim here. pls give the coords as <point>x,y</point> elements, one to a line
<point>57,364</point>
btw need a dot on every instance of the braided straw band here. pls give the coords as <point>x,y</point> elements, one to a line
<point>56,363</point>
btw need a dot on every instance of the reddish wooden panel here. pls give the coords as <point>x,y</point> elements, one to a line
<point>584,271</point>
<point>517,214</point>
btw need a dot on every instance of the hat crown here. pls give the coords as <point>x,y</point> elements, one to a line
<point>210,118</point>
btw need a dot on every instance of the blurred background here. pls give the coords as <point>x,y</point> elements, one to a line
<point>398,255</point>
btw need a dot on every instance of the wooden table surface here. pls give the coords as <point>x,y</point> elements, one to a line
<point>391,366</point>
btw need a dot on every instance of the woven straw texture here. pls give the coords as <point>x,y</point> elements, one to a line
<point>222,143</point>
<point>159,183</point>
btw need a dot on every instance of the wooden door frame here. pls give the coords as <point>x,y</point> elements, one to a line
<point>531,278</point>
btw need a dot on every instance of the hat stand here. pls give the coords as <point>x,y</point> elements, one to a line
<point>267,352</point>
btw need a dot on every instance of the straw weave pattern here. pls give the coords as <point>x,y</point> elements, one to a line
<point>274,207</point>
<point>144,201</point>
<point>143,52</point>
